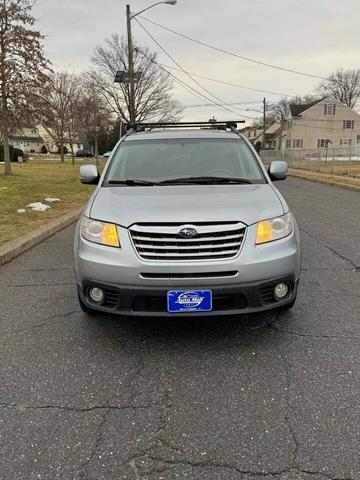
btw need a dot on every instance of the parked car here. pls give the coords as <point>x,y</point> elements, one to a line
<point>107,155</point>
<point>84,153</point>
<point>186,222</point>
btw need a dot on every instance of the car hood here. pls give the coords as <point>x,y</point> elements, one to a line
<point>192,204</point>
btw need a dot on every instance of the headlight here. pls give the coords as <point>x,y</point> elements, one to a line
<point>274,229</point>
<point>100,232</point>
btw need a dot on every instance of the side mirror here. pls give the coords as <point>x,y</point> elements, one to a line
<point>278,170</point>
<point>89,174</point>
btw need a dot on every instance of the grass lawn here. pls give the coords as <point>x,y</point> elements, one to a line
<point>335,179</point>
<point>33,182</point>
<point>342,168</point>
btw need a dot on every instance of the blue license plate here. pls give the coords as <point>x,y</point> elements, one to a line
<point>189,301</point>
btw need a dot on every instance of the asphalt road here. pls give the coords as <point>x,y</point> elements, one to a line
<point>262,397</point>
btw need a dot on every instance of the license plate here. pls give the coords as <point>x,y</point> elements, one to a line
<point>189,301</point>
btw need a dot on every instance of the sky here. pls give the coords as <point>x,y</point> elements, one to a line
<point>311,36</point>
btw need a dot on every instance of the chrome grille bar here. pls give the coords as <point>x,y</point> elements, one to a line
<point>186,255</point>
<point>193,247</point>
<point>218,241</point>
<point>150,238</point>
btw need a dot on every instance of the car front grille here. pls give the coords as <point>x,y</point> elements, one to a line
<point>164,242</point>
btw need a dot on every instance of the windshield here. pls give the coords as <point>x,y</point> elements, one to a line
<point>178,159</point>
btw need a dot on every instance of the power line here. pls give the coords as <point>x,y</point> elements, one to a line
<point>229,84</point>
<point>187,87</point>
<point>233,54</point>
<point>222,104</point>
<point>231,104</point>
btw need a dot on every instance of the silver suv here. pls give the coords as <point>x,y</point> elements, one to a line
<point>186,221</point>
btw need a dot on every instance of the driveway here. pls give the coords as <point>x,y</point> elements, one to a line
<point>262,397</point>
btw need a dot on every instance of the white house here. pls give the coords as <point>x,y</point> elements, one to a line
<point>326,122</point>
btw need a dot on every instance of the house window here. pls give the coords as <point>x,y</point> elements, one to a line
<point>348,124</point>
<point>78,146</point>
<point>288,143</point>
<point>346,141</point>
<point>321,143</point>
<point>298,143</point>
<point>329,109</point>
<point>358,139</point>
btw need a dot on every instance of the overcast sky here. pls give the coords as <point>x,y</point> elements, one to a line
<point>313,36</point>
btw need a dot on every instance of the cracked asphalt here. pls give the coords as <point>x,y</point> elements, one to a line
<point>260,397</point>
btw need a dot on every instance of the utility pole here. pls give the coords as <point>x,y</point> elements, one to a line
<point>131,77</point>
<point>264,125</point>
<point>131,67</point>
<point>281,132</point>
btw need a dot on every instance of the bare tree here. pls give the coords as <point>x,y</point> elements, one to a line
<point>93,114</point>
<point>281,109</point>
<point>344,85</point>
<point>153,91</point>
<point>23,67</point>
<point>60,107</point>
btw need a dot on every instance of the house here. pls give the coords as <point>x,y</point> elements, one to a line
<point>27,139</point>
<point>32,138</point>
<point>323,123</point>
<point>252,133</point>
<point>272,135</point>
<point>52,143</point>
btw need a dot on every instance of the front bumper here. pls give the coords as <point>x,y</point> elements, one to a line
<point>138,287</point>
<point>227,300</point>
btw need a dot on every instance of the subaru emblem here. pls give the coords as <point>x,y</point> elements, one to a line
<point>188,232</point>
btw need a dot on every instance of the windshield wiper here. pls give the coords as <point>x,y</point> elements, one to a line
<point>133,183</point>
<point>206,180</point>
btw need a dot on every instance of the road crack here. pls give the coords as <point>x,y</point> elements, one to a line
<point>355,268</point>
<point>24,285</point>
<point>89,409</point>
<point>44,322</point>
<point>314,336</point>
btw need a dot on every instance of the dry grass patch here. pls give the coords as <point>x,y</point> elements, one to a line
<point>33,182</point>
<point>327,178</point>
<point>341,168</point>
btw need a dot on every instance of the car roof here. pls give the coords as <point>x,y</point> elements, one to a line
<point>176,133</point>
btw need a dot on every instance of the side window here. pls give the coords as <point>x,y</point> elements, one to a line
<point>329,109</point>
<point>348,125</point>
<point>298,143</point>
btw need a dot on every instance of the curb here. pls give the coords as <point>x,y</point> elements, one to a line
<point>16,247</point>
<point>324,181</point>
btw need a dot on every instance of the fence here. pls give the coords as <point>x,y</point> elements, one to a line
<point>343,161</point>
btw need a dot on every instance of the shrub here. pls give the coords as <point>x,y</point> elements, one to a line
<point>14,153</point>
<point>2,153</point>
<point>65,150</point>
<point>44,149</point>
<point>18,153</point>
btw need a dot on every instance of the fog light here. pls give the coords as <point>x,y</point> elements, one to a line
<point>96,295</point>
<point>281,290</point>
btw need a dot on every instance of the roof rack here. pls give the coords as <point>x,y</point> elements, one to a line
<point>226,125</point>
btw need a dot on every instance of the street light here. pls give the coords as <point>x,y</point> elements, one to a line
<point>129,17</point>
<point>165,2</point>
